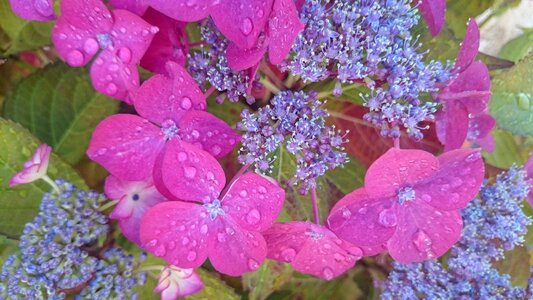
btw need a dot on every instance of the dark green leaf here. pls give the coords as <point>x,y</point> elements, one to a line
<point>59,106</point>
<point>214,288</point>
<point>507,151</point>
<point>516,264</point>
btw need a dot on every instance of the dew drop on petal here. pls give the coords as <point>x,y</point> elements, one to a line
<point>261,189</point>
<point>182,156</point>
<point>185,241</point>
<point>203,229</point>
<point>338,257</point>
<point>191,256</point>
<point>288,254</point>
<point>252,264</point>
<point>388,218</point>
<point>186,103</point>
<point>253,216</point>
<point>346,213</point>
<point>75,58</point>
<point>124,54</point>
<point>247,26</point>
<point>216,150</point>
<point>189,172</point>
<point>160,251</point>
<point>243,193</point>
<point>90,46</point>
<point>111,88</point>
<point>327,273</point>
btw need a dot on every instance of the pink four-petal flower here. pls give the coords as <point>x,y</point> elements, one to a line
<point>174,282</point>
<point>410,203</point>
<point>205,223</point>
<point>118,39</point>
<point>135,198</point>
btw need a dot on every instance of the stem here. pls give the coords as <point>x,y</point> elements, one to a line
<point>269,86</point>
<point>315,205</point>
<point>150,268</point>
<point>265,68</point>
<point>196,44</point>
<point>51,183</point>
<point>241,171</point>
<point>209,91</point>
<point>108,205</point>
<point>397,143</point>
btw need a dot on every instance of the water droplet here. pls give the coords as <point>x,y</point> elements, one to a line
<point>171,245</point>
<point>216,150</point>
<point>191,256</point>
<point>185,241</point>
<point>363,210</point>
<point>338,257</point>
<point>151,243</point>
<point>253,216</point>
<point>388,218</point>
<point>111,88</point>
<point>203,229</point>
<point>473,157</point>
<point>189,172</point>
<point>247,26</point>
<point>124,54</point>
<point>454,197</point>
<point>186,103</point>
<point>75,58</point>
<point>422,242</point>
<point>243,193</point>
<point>190,3</point>
<point>346,213</point>
<point>195,134</point>
<point>101,151</point>
<point>327,273</point>
<point>221,237</point>
<point>426,197</point>
<point>160,251</point>
<point>182,156</point>
<point>261,189</point>
<point>288,254</point>
<point>90,46</point>
<point>252,264</point>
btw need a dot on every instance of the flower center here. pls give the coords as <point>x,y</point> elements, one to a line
<point>104,40</point>
<point>406,194</point>
<point>214,209</point>
<point>314,235</point>
<point>170,130</point>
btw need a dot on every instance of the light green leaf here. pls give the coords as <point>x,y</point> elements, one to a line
<point>59,106</point>
<point>458,13</point>
<point>270,277</point>
<point>507,151</point>
<point>20,35</point>
<point>518,48</point>
<point>214,288</point>
<point>7,247</point>
<point>512,99</point>
<point>18,205</point>
<point>349,177</point>
<point>516,264</point>
<point>228,111</point>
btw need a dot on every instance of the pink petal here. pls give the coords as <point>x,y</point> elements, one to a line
<point>169,44</point>
<point>33,10</point>
<point>175,282</point>
<point>75,38</point>
<point>471,87</point>
<point>374,250</point>
<point>284,26</point>
<point>182,10</point>
<point>311,249</point>
<point>126,145</point>
<point>487,143</point>
<point>363,220</point>
<point>27,175</point>
<point>241,21</point>
<point>480,126</point>
<point>169,97</point>
<point>136,197</point>
<point>457,182</point>
<point>240,59</point>
<point>137,7</point>
<point>112,77</point>
<point>234,250</point>
<point>434,12</point>
<point>469,47</point>
<point>528,167</point>
<point>398,168</point>
<point>254,201</point>
<point>178,232</point>
<point>424,233</point>
<point>208,132</point>
<point>190,173</point>
<point>452,125</point>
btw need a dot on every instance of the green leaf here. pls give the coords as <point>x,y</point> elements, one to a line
<point>214,288</point>
<point>348,177</point>
<point>270,277</point>
<point>18,205</point>
<point>7,247</point>
<point>512,98</point>
<point>507,151</point>
<point>458,13</point>
<point>59,106</point>
<point>228,111</point>
<point>516,264</point>
<point>518,48</point>
<point>21,35</point>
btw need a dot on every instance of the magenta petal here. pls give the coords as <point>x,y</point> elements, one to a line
<point>362,220</point>
<point>487,143</point>
<point>241,21</point>
<point>234,250</point>
<point>190,173</point>
<point>33,10</point>
<point>182,10</point>
<point>480,126</point>
<point>126,145</point>
<point>528,167</point>
<point>452,125</point>
<point>434,12</point>
<point>457,182</point>
<point>178,232</point>
<point>374,250</point>
<point>137,7</point>
<point>398,168</point>
<point>471,87</point>
<point>424,233</point>
<point>170,43</point>
<point>208,132</point>
<point>469,46</point>
<point>254,201</point>
<point>175,282</point>
<point>112,77</point>
<point>162,98</point>
<point>311,249</point>
<point>239,59</point>
<point>136,197</point>
<point>131,36</point>
<point>96,17</point>
<point>284,26</point>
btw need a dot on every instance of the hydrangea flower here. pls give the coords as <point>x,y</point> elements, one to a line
<point>170,43</point>
<point>226,227</point>
<point>493,223</point>
<point>135,197</point>
<point>170,107</point>
<point>528,167</point>
<point>117,38</point>
<point>434,13</point>
<point>35,168</point>
<point>311,249</point>
<point>33,10</point>
<point>410,202</point>
<point>297,121</point>
<point>174,282</point>
<point>465,98</point>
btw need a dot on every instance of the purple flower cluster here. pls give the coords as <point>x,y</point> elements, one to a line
<point>494,223</point>
<point>295,120</point>
<point>370,42</point>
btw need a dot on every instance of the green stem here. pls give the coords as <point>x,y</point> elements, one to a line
<point>108,205</point>
<point>51,183</point>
